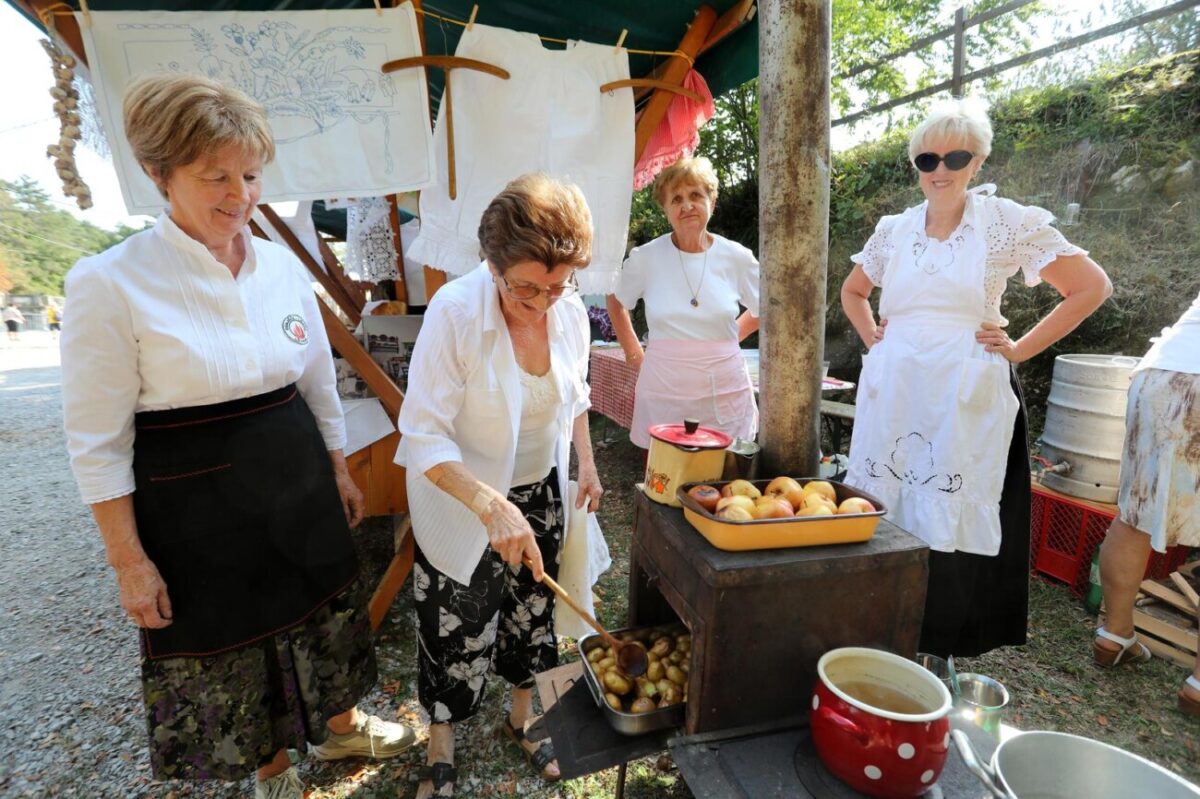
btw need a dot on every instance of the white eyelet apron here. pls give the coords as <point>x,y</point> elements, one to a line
<point>935,411</point>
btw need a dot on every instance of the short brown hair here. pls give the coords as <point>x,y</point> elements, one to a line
<point>698,170</point>
<point>175,120</point>
<point>537,218</point>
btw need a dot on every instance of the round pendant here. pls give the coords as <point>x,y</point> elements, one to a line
<point>695,302</point>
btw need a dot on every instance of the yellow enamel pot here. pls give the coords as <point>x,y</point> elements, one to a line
<point>682,453</point>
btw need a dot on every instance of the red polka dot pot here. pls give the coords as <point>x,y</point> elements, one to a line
<point>880,722</point>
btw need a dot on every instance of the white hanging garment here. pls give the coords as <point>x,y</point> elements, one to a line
<point>341,126</point>
<point>935,411</point>
<point>370,246</point>
<point>548,116</point>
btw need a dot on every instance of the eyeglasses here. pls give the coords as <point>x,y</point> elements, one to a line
<point>527,291</point>
<point>954,160</point>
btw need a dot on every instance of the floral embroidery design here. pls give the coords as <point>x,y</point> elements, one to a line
<point>912,462</point>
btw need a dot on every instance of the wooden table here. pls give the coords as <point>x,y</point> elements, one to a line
<point>761,619</point>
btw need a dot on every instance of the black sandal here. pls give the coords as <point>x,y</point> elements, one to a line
<point>539,758</point>
<point>440,774</point>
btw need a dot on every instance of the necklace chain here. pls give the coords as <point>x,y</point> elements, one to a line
<point>703,271</point>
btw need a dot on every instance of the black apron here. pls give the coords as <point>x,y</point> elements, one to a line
<point>237,507</point>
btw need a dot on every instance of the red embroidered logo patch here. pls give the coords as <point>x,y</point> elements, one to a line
<point>295,328</point>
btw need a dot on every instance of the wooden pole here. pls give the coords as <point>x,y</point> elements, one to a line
<point>793,200</point>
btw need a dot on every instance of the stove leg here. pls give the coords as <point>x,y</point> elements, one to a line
<point>620,794</point>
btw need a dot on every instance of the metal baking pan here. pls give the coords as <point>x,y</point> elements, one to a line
<point>626,723</point>
<point>795,531</point>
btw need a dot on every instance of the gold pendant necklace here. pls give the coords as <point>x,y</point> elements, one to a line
<point>703,271</point>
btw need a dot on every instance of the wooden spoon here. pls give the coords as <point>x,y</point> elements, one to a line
<point>630,655</point>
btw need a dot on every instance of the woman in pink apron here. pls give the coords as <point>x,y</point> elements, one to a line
<point>694,284</point>
<point>940,432</point>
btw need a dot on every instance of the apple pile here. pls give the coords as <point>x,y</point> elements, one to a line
<point>784,497</point>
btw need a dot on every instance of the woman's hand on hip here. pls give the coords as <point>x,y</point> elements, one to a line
<point>144,594</point>
<point>590,489</point>
<point>880,329</point>
<point>511,536</point>
<point>995,339</point>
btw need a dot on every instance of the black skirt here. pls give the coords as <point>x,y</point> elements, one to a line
<point>976,603</point>
<point>237,507</point>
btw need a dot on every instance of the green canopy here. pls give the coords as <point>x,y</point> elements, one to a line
<point>652,25</point>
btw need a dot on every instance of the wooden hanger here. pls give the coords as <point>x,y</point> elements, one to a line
<point>651,83</point>
<point>447,63</point>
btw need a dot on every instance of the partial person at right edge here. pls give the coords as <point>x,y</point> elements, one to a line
<point>1160,480</point>
<point>693,283</point>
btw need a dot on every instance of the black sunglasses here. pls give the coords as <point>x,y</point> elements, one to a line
<point>955,160</point>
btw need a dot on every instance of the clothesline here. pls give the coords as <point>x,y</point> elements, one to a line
<point>47,14</point>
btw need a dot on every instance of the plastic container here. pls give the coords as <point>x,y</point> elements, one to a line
<point>799,531</point>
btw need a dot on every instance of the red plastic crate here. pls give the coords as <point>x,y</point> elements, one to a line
<point>1064,533</point>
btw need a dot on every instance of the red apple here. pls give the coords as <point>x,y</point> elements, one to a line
<point>740,487</point>
<point>706,496</point>
<point>856,505</point>
<point>735,513</point>
<point>772,508</point>
<point>745,503</point>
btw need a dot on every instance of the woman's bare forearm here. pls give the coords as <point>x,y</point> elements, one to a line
<point>456,480</point>
<point>118,527</point>
<point>623,327</point>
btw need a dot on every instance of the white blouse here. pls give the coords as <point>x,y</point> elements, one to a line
<point>464,404</point>
<point>1177,348</point>
<point>1020,238</point>
<point>156,322</point>
<point>667,278</point>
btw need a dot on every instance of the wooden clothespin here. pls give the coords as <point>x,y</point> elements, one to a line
<point>378,9</point>
<point>621,39</point>
<point>87,14</point>
<point>471,19</point>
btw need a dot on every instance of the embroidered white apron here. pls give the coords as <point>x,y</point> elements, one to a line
<point>705,380</point>
<point>935,411</point>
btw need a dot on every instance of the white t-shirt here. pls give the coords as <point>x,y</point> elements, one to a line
<point>1178,348</point>
<point>156,322</point>
<point>667,278</point>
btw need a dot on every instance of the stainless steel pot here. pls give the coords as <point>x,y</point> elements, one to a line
<point>1055,765</point>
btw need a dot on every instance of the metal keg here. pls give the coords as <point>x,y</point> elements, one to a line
<point>1085,424</point>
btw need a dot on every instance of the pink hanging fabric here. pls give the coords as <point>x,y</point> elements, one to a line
<point>678,134</point>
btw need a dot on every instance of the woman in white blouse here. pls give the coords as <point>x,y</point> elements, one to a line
<point>940,434</point>
<point>206,434</point>
<point>496,397</point>
<point>694,284</point>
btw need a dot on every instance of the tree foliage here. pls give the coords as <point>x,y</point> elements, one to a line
<point>39,243</point>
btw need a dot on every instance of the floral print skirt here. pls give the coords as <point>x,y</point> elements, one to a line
<point>221,717</point>
<point>502,620</point>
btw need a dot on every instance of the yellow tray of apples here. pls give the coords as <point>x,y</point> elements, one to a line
<point>784,512</point>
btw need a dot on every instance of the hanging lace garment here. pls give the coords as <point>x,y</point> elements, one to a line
<point>370,248</point>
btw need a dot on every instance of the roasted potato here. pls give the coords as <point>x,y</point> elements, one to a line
<point>642,705</point>
<point>613,700</point>
<point>616,683</point>
<point>595,654</point>
<point>662,646</point>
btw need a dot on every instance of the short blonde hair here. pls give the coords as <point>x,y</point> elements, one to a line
<point>175,120</point>
<point>537,218</point>
<point>697,170</point>
<point>963,118</point>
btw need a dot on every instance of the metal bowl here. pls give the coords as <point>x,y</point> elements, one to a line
<point>625,723</point>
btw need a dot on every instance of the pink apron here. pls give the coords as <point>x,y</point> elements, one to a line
<point>705,380</point>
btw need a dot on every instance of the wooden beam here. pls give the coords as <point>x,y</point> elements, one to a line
<point>1187,590</point>
<point>727,23</point>
<point>1164,594</point>
<point>677,68</point>
<point>393,579</point>
<point>349,304</point>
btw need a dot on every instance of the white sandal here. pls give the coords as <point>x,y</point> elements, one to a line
<point>1107,658</point>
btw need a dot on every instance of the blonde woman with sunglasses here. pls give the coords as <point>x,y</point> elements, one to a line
<point>940,432</point>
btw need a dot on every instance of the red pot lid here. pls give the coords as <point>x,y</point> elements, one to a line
<point>690,435</point>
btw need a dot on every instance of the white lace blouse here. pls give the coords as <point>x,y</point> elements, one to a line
<point>1020,238</point>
